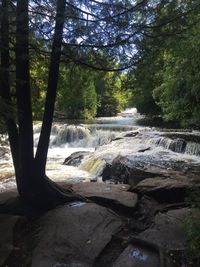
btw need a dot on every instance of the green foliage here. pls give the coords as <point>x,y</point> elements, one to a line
<point>76,96</point>
<point>179,93</point>
<point>143,81</point>
<point>84,93</point>
<point>166,76</point>
<point>112,98</point>
<point>39,74</point>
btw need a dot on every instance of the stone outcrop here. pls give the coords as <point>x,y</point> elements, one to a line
<point>7,224</point>
<point>120,171</point>
<point>75,158</point>
<point>73,235</point>
<point>110,194</point>
<point>168,190</point>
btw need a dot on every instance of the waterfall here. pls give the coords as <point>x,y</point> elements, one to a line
<point>68,134</point>
<point>192,148</point>
<point>178,145</point>
<point>63,134</point>
<point>77,135</point>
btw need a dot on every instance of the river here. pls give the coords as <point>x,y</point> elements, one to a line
<point>149,148</point>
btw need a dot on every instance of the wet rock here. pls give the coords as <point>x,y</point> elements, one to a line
<point>7,224</point>
<point>131,134</point>
<point>73,235</point>
<point>169,190</point>
<point>135,255</point>
<point>120,171</point>
<point>75,158</point>
<point>109,194</point>
<point>168,232</point>
<point>94,166</point>
<point>145,149</point>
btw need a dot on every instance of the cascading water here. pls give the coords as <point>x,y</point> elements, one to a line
<point>108,138</point>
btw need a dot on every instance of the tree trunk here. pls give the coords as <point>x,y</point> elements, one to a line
<point>23,93</point>
<point>33,185</point>
<point>41,154</point>
<point>8,114</point>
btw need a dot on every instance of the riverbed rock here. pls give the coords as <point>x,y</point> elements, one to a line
<point>168,232</point>
<point>135,255</point>
<point>75,158</point>
<point>120,171</point>
<point>7,224</point>
<point>131,134</point>
<point>107,194</point>
<point>73,235</point>
<point>169,190</point>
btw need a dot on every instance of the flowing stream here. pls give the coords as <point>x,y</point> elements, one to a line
<point>145,147</point>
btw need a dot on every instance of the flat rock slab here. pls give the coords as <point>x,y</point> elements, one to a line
<point>164,189</point>
<point>168,232</point>
<point>137,256</point>
<point>7,224</point>
<point>116,193</point>
<point>73,235</point>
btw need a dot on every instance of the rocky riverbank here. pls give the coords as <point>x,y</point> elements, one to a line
<point>117,226</point>
<point>133,214</point>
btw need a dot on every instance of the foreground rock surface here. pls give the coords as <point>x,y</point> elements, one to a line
<point>169,190</point>
<point>138,257</point>
<point>7,224</point>
<point>113,194</point>
<point>168,232</point>
<point>73,235</point>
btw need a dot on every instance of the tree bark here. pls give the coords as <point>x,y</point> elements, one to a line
<point>34,187</point>
<point>8,114</point>
<point>23,92</point>
<point>41,154</point>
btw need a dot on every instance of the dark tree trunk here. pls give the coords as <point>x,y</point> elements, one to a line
<point>41,154</point>
<point>34,188</point>
<point>23,93</point>
<point>33,185</point>
<point>8,114</point>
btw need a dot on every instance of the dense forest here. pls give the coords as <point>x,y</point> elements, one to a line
<point>164,67</point>
<point>162,79</point>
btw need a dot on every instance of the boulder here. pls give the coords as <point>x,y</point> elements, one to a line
<point>107,194</point>
<point>170,190</point>
<point>120,171</point>
<point>73,235</point>
<point>131,134</point>
<point>162,244</point>
<point>168,233</point>
<point>7,224</point>
<point>10,203</point>
<point>75,158</point>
